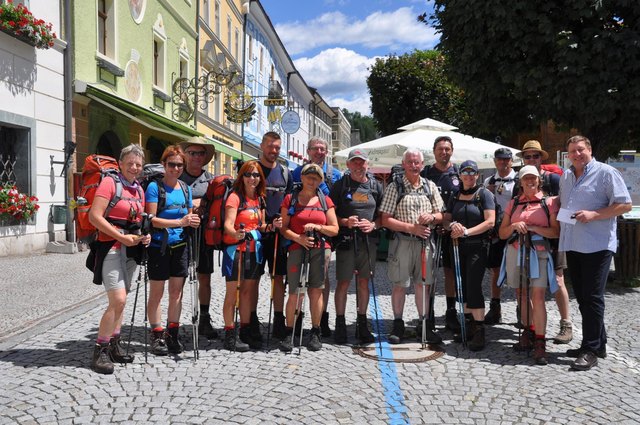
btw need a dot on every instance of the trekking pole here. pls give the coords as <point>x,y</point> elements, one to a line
<point>240,264</point>
<point>434,270</point>
<point>193,281</point>
<point>303,272</point>
<point>521,285</point>
<point>459,295</point>
<point>527,251</point>
<point>145,258</point>
<point>273,282</point>
<point>356,274</point>
<point>423,271</point>
<point>304,294</point>
<point>373,293</point>
<point>135,304</point>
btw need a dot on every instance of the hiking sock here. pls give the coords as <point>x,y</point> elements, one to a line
<point>451,302</point>
<point>103,339</point>
<point>172,325</point>
<point>229,328</point>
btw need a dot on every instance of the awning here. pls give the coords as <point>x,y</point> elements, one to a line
<point>230,150</point>
<point>140,114</point>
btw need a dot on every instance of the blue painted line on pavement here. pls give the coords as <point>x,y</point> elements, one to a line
<point>396,409</point>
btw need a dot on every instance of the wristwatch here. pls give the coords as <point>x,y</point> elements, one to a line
<point>465,233</point>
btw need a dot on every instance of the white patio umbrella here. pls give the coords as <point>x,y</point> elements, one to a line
<point>387,151</point>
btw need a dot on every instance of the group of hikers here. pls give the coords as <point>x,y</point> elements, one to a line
<point>526,227</point>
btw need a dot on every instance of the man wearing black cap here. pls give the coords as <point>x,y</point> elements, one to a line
<point>502,185</point>
<point>357,197</point>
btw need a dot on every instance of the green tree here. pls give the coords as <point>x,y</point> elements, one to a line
<point>364,123</point>
<point>408,88</point>
<point>523,62</point>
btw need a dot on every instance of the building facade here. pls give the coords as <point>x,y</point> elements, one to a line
<point>32,130</point>
<point>340,132</point>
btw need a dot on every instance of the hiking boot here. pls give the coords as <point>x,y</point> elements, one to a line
<point>205,328</point>
<point>363,333</point>
<point>451,320</point>
<point>566,333</point>
<point>398,331</point>
<point>101,361</point>
<point>246,336</point>
<point>477,342</point>
<point>494,315</point>
<point>285,343</point>
<point>340,334</point>
<point>324,325</point>
<point>431,336</point>
<point>233,343</point>
<point>526,341</point>
<point>172,339</point>
<point>254,326</point>
<point>279,326</point>
<point>539,352</point>
<point>315,342</point>
<point>117,353</point>
<point>158,344</point>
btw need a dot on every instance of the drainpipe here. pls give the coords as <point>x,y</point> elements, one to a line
<point>69,145</point>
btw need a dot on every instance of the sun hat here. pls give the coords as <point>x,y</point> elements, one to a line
<point>533,145</point>
<point>210,150</point>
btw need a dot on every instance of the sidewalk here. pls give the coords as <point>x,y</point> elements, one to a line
<point>45,375</point>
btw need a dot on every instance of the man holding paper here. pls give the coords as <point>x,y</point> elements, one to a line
<point>592,195</point>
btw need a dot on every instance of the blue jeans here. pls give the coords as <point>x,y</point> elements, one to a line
<point>588,274</point>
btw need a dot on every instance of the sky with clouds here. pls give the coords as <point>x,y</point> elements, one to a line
<point>334,42</point>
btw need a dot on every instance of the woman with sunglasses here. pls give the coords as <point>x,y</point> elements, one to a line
<point>308,221</point>
<point>243,222</point>
<point>471,214</point>
<point>171,205</point>
<point>528,217</point>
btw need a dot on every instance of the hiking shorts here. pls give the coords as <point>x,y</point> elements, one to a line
<point>316,271</point>
<point>252,271</point>
<point>117,270</point>
<point>205,259</point>
<point>404,262</point>
<point>513,269</point>
<point>174,262</point>
<point>347,264</point>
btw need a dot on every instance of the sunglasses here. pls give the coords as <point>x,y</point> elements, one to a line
<point>175,164</point>
<point>468,172</point>
<point>197,153</point>
<point>255,174</point>
<point>534,156</point>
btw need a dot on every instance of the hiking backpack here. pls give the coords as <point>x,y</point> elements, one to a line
<point>493,232</point>
<point>217,193</point>
<point>294,200</point>
<point>96,167</point>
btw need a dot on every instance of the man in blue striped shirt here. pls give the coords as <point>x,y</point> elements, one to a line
<point>592,195</point>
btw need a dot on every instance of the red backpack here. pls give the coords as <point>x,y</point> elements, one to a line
<point>96,167</point>
<point>217,193</point>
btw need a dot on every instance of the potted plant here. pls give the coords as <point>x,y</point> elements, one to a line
<point>19,22</point>
<point>16,207</point>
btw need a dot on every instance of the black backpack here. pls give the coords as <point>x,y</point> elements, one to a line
<point>477,202</point>
<point>294,200</point>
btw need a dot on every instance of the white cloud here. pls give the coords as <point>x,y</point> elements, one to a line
<point>340,75</point>
<point>397,31</point>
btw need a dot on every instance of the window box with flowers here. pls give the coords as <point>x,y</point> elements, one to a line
<point>20,23</point>
<point>16,207</point>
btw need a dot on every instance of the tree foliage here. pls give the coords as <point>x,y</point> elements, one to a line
<point>523,62</point>
<point>364,123</point>
<point>408,88</point>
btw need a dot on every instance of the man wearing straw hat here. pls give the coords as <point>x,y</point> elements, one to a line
<point>199,153</point>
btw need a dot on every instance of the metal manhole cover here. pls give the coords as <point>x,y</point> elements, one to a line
<point>402,353</point>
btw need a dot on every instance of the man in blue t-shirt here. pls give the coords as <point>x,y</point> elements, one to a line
<point>317,149</point>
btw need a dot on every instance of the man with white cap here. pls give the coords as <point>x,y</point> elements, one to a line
<point>199,153</point>
<point>533,154</point>
<point>357,197</point>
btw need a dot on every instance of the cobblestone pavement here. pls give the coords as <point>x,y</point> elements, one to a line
<point>45,375</point>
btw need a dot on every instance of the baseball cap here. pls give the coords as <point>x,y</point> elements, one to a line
<point>503,153</point>
<point>357,153</point>
<point>469,164</point>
